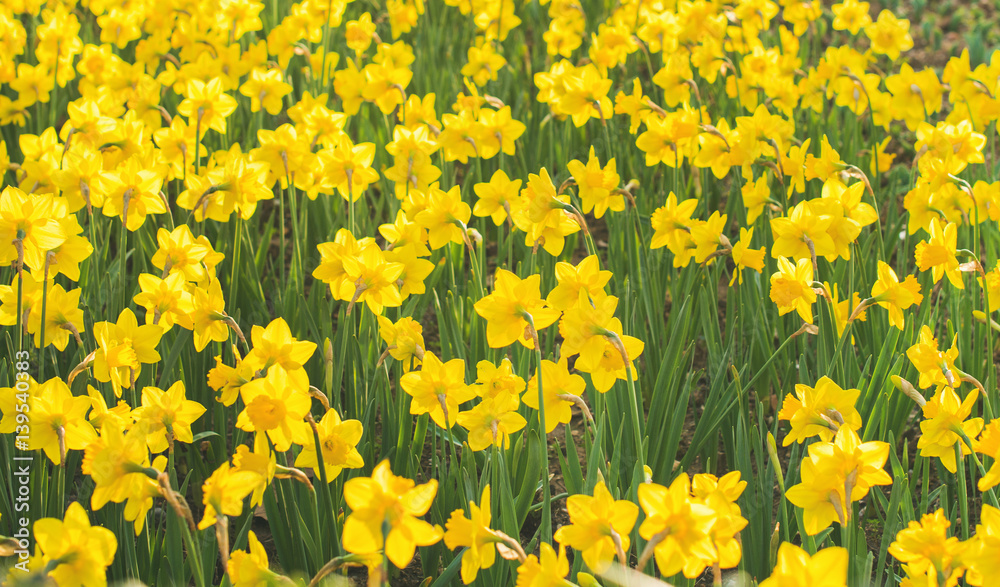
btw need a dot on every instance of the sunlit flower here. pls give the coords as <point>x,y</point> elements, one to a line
<point>549,568</point>
<point>682,522</point>
<point>514,305</point>
<point>224,492</point>
<point>438,389</point>
<point>167,416</point>
<point>927,550</point>
<point>593,523</point>
<point>791,288</point>
<point>819,411</point>
<point>936,367</point>
<point>123,348</point>
<point>385,514</point>
<point>796,568</point>
<point>895,295</point>
<point>276,405</point>
<point>338,440</point>
<point>946,420</point>
<point>559,387</point>
<point>475,535</point>
<point>76,553</point>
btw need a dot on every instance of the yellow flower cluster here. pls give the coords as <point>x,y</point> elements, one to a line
<point>229,162</point>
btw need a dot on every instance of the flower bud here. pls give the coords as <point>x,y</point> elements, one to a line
<point>772,453</point>
<point>907,388</point>
<point>475,236</point>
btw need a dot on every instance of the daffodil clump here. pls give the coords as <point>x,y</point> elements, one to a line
<point>498,292</point>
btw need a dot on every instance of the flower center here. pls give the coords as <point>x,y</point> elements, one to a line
<point>266,413</point>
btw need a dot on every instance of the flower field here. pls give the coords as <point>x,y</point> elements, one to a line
<point>499,292</point>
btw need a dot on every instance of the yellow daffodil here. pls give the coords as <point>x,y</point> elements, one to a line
<point>797,568</point>
<point>167,301</point>
<point>438,389</point>
<point>76,553</point>
<point>671,223</point>
<point>791,288</point>
<point>497,197</point>
<point>275,345</point>
<point>889,35</point>
<point>586,275</point>
<point>819,411</point>
<point>338,440</point>
<point>597,185</point>
<point>594,522</point>
<point>851,15</point>
<point>560,389</point>
<point>720,494</point>
<point>123,348</point>
<point>492,421</point>
<point>249,568</point>
<point>132,193</point>
<point>835,475</point>
<point>276,405</point>
<point>348,167</point>
<point>936,367</point>
<point>260,461</point>
<point>497,380</point>
<point>228,380</point>
<point>475,535</point>
<point>224,492</point>
<point>405,339</point>
<point>895,295</point>
<point>112,461</point>
<point>513,305</point>
<point>745,257</point>
<point>28,221</point>
<point>387,502</point>
<point>445,217</point>
<point>167,416</point>
<point>989,445</point>
<point>180,252</point>
<point>938,253</point>
<point>57,420</point>
<point>680,523</point>
<point>208,316</point>
<point>549,568</point>
<point>927,550</point>
<point>206,105</point>
<point>63,317</point>
<point>946,419</point>
<point>981,552</point>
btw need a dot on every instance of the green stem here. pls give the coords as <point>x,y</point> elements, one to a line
<point>963,502</point>
<point>121,254</point>
<point>60,482</point>
<point>451,467</point>
<point>982,470</point>
<point>237,240</point>
<point>350,203</point>
<point>546,525</point>
<point>281,215</point>
<point>846,534</point>
<point>199,575</point>
<point>324,492</point>
<point>326,47</point>
<point>477,270</point>
<point>766,364</point>
<point>253,262</point>
<point>297,261</point>
<point>41,328</point>
<point>197,143</point>
<point>637,431</point>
